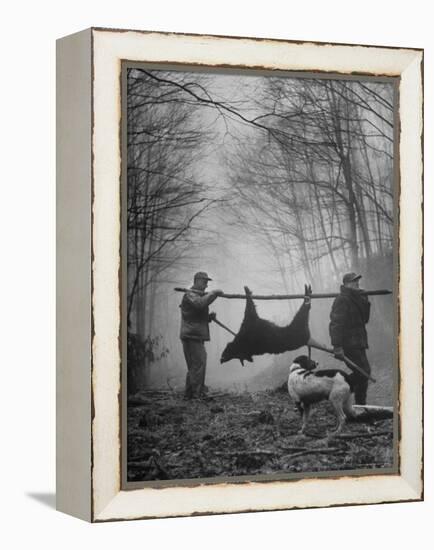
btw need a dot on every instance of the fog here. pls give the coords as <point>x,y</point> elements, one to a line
<point>237,262</point>
<point>233,249</point>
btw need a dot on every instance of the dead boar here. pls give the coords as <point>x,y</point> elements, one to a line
<point>258,336</point>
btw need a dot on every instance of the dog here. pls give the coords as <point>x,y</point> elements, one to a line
<point>306,387</point>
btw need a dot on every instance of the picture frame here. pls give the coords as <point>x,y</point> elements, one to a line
<point>89,325</point>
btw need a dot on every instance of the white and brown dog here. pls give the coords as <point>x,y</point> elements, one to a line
<point>307,387</point>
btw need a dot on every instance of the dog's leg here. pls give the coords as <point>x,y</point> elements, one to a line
<point>337,399</point>
<point>299,407</point>
<point>350,413</point>
<point>304,418</point>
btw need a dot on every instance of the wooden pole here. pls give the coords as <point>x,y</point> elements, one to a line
<point>312,343</point>
<point>225,327</point>
<point>290,296</point>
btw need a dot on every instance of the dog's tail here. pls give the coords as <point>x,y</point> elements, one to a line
<point>348,408</point>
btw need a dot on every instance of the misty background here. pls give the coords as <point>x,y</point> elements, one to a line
<point>266,181</point>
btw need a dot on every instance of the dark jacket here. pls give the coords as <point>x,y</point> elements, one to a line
<point>195,314</point>
<point>348,317</point>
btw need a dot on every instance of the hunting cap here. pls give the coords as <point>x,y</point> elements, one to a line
<point>350,277</point>
<point>202,275</point>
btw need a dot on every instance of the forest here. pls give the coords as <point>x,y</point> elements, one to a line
<point>267,180</point>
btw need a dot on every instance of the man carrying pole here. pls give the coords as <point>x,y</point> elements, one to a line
<point>348,318</point>
<point>195,319</point>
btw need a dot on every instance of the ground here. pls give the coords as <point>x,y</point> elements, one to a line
<point>236,434</point>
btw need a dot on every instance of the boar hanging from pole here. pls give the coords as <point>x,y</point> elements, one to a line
<point>258,336</point>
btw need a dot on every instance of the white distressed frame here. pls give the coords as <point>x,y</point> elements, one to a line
<point>109,48</point>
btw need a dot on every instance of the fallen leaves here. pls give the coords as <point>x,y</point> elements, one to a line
<point>236,434</point>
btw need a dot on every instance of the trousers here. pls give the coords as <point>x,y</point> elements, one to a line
<point>195,357</point>
<point>358,356</point>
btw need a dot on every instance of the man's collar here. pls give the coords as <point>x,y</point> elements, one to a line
<point>197,290</point>
<point>349,290</point>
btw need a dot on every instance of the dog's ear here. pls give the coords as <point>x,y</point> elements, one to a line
<point>306,362</point>
<point>313,364</point>
<point>301,360</point>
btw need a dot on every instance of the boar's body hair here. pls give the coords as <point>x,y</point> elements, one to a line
<point>258,336</point>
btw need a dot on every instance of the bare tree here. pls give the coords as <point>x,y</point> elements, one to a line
<point>320,176</point>
<point>166,197</point>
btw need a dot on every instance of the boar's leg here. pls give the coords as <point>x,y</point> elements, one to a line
<point>250,313</point>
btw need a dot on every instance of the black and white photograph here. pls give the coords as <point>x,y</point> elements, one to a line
<point>259,260</point>
<point>218,231</point>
